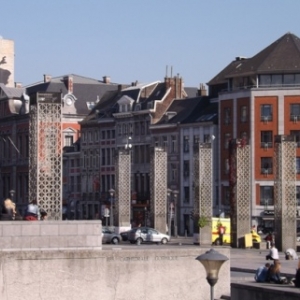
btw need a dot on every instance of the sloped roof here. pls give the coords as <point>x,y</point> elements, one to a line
<point>84,89</point>
<point>190,110</point>
<point>12,92</point>
<point>282,56</point>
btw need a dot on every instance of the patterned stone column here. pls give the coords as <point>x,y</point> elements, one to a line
<point>45,146</point>
<point>158,181</point>
<point>123,189</point>
<point>240,191</point>
<point>285,192</point>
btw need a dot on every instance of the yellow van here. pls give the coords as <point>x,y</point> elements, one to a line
<point>225,222</point>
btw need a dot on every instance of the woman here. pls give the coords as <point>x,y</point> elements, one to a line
<point>33,211</point>
<point>274,273</point>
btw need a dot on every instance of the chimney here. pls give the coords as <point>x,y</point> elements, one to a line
<point>202,90</point>
<point>106,79</point>
<point>69,83</point>
<point>47,78</point>
<point>18,85</point>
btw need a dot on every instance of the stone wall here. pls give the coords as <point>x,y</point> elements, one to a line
<point>37,235</point>
<point>128,273</point>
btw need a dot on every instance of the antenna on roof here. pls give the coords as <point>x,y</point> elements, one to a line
<point>171,71</point>
<point>166,70</point>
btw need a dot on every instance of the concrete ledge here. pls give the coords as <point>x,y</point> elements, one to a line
<point>37,235</point>
<point>131,273</point>
<point>266,291</point>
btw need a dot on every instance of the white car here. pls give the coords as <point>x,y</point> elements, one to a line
<point>109,236</point>
<point>141,235</point>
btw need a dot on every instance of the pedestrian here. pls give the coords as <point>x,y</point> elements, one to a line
<point>273,275</point>
<point>8,212</point>
<point>269,239</point>
<point>290,254</point>
<point>33,211</point>
<point>297,276</point>
<point>261,273</point>
<point>221,233</point>
<point>273,254</point>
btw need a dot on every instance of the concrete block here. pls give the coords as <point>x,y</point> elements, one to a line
<point>32,228</point>
<point>5,242</point>
<point>49,229</point>
<point>39,241</point>
<point>12,229</point>
<point>57,242</point>
<point>67,229</point>
<point>93,241</point>
<point>19,242</point>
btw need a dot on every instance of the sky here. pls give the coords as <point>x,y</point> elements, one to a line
<point>140,40</point>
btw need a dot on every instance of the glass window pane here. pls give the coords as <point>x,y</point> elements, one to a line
<point>265,80</point>
<point>288,78</point>
<point>276,79</point>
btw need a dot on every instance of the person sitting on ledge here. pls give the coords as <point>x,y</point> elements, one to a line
<point>297,276</point>
<point>33,211</point>
<point>273,275</point>
<point>261,273</point>
<point>273,254</point>
<point>8,211</point>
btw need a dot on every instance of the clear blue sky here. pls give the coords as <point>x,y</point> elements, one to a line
<point>132,40</point>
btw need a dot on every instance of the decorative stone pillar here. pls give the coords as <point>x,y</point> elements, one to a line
<point>123,189</point>
<point>285,192</point>
<point>45,147</point>
<point>158,191</point>
<point>240,191</point>
<point>203,193</point>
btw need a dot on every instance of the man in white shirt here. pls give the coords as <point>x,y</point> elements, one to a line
<point>273,254</point>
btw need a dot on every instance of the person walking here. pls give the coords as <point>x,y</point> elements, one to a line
<point>273,254</point>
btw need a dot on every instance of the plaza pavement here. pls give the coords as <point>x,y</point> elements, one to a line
<point>248,260</point>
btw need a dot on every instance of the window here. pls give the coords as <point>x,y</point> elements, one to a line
<point>196,140</point>
<point>298,195</point>
<point>295,112</point>
<point>266,138</point>
<point>173,144</point>
<point>226,169</point>
<point>186,168</point>
<point>103,157</point>
<point>103,134</point>
<point>296,135</point>
<point>244,114</point>
<point>186,198</point>
<point>266,165</point>
<point>206,138</point>
<point>186,146</point>
<point>266,112</point>
<point>142,128</point>
<point>298,165</point>
<point>227,115</point>
<point>173,172</point>
<point>156,142</point>
<point>227,138</point>
<point>266,195</point>
<point>68,140</point>
<point>244,135</point>
<point>165,143</point>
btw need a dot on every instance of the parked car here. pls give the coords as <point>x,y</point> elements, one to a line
<point>141,235</point>
<point>124,235</point>
<point>109,236</point>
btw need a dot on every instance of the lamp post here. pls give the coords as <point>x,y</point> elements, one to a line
<point>169,191</point>
<point>175,192</point>
<point>145,209</point>
<point>111,192</point>
<point>212,262</point>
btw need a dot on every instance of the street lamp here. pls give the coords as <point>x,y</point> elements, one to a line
<point>169,212</point>
<point>212,262</point>
<point>145,209</point>
<point>175,192</point>
<point>111,192</point>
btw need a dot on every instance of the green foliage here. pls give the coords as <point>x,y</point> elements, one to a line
<point>203,221</point>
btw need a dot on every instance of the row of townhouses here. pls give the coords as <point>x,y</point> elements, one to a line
<point>253,99</point>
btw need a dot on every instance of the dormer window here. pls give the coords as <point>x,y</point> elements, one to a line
<point>137,107</point>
